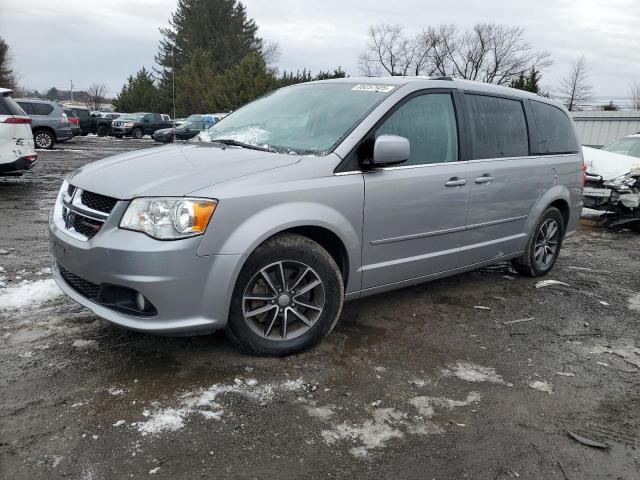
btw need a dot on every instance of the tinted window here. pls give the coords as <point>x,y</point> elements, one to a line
<point>26,106</point>
<point>497,127</point>
<point>8,106</point>
<point>41,108</point>
<point>82,113</point>
<point>555,132</point>
<point>429,122</point>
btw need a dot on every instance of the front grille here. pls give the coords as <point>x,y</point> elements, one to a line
<point>85,226</point>
<point>83,287</point>
<point>98,202</point>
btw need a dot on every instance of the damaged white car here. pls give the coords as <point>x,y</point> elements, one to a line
<point>613,186</point>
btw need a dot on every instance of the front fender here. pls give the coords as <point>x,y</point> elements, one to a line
<point>260,226</point>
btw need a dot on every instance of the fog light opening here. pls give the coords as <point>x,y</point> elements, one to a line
<point>141,302</point>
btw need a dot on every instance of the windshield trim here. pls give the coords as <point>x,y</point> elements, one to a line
<point>338,142</point>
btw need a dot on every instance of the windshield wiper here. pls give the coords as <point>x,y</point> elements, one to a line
<point>236,143</point>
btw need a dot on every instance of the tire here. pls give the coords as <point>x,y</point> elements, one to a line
<point>137,133</point>
<point>304,263</point>
<point>44,139</point>
<point>102,131</point>
<point>84,134</point>
<point>543,246</point>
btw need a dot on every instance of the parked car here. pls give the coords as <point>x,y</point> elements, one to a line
<point>74,122</point>
<point>629,145</point>
<point>192,127</point>
<point>49,123</point>
<point>17,150</point>
<point>93,122</point>
<point>137,125</point>
<point>265,229</point>
<point>613,185</point>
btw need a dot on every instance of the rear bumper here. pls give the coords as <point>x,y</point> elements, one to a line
<point>63,134</point>
<point>190,293</point>
<point>22,163</point>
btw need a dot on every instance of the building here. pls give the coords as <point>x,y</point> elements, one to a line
<point>597,129</point>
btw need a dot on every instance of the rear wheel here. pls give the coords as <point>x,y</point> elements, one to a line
<point>287,298</point>
<point>544,245</point>
<point>137,133</point>
<point>44,139</point>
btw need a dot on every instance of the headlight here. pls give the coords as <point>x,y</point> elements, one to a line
<point>169,218</point>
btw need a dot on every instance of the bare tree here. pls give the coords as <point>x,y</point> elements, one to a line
<point>575,89</point>
<point>271,52</point>
<point>488,52</point>
<point>635,95</point>
<point>95,96</point>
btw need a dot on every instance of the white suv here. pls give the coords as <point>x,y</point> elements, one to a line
<point>17,151</point>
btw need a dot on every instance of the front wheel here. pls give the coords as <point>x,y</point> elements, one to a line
<point>544,245</point>
<point>287,298</point>
<point>137,133</point>
<point>102,131</point>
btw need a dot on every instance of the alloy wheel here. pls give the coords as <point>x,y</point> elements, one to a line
<point>43,140</point>
<point>546,244</point>
<point>283,300</point>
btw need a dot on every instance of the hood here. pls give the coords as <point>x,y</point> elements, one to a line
<point>608,165</point>
<point>174,170</point>
<point>164,131</point>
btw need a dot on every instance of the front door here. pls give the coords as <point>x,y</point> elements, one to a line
<point>414,214</point>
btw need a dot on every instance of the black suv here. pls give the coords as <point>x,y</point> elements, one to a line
<point>137,125</point>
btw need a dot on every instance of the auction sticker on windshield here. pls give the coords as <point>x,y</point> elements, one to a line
<point>374,88</point>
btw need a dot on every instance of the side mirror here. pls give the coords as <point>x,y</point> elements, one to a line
<point>390,150</point>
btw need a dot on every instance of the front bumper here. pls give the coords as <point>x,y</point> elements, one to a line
<point>190,293</point>
<point>121,131</point>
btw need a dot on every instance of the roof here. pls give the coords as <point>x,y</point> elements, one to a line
<point>443,82</point>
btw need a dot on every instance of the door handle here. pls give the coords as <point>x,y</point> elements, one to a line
<point>486,178</point>
<point>456,182</point>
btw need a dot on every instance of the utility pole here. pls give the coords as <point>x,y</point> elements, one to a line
<point>173,80</point>
<point>71,91</point>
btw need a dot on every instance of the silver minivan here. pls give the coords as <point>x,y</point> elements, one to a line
<point>315,194</point>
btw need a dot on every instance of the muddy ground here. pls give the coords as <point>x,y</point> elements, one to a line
<point>414,384</point>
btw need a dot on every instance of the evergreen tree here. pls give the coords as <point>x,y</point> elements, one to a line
<point>53,94</point>
<point>529,82</point>
<point>216,30</point>
<point>7,78</point>
<point>139,94</point>
<point>610,107</point>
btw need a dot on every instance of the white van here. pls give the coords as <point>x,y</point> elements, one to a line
<point>17,150</point>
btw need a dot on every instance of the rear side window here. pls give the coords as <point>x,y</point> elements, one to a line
<point>8,106</point>
<point>498,127</point>
<point>82,113</point>
<point>555,132</point>
<point>429,122</point>
<point>26,106</point>
<point>41,108</point>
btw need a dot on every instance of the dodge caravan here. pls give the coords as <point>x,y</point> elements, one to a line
<point>315,194</point>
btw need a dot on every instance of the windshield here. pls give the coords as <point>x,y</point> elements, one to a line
<point>625,146</point>
<point>305,119</point>
<point>136,117</point>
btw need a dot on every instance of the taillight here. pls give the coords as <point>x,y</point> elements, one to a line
<point>584,174</point>
<point>18,120</point>
<point>75,121</point>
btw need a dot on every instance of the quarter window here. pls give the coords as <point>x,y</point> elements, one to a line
<point>41,108</point>
<point>429,122</point>
<point>497,127</point>
<point>26,106</point>
<point>555,132</point>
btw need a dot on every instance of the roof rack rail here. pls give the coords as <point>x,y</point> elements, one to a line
<point>444,77</point>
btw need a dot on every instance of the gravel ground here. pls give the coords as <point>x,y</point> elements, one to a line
<point>479,376</point>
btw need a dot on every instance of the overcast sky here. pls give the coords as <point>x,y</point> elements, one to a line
<point>88,41</point>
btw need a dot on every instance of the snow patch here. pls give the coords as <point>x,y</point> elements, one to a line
<point>470,372</point>
<point>628,353</point>
<point>28,294</point>
<point>542,387</point>
<point>323,413</point>
<point>634,303</point>
<point>426,405</point>
<point>85,343</point>
<point>549,283</point>
<point>205,403</point>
